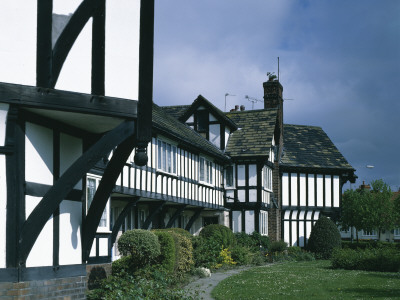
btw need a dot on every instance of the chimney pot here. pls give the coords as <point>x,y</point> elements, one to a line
<point>242,108</point>
<point>236,107</point>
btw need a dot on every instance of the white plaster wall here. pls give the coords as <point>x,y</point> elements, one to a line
<point>336,191</point>
<point>42,251</point>
<point>253,175</point>
<point>3,119</point>
<point>70,237</point>
<point>285,189</point>
<point>70,150</point>
<point>215,135</point>
<point>303,187</point>
<point>236,221</point>
<point>311,189</point>
<point>38,154</point>
<point>320,190</point>
<point>227,134</point>
<point>249,217</point>
<point>293,192</point>
<point>3,210</point>
<point>241,175</point>
<point>328,190</point>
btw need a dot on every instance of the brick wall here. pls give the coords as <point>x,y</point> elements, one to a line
<point>60,288</point>
<point>274,214</point>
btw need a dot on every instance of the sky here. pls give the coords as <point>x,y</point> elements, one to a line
<point>339,64</point>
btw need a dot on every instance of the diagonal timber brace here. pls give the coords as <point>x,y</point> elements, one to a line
<point>32,227</point>
<point>99,202</point>
<point>177,213</point>
<point>128,207</point>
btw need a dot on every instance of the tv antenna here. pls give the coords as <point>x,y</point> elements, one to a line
<point>252,100</point>
<point>226,95</point>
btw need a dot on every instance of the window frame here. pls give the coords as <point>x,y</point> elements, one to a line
<point>107,209</point>
<point>206,168</point>
<point>232,186</point>
<point>167,161</point>
<point>267,178</point>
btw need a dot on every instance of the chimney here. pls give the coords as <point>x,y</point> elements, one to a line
<point>242,108</point>
<point>236,107</point>
<point>272,94</point>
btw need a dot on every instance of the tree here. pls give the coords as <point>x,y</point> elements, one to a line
<point>352,211</point>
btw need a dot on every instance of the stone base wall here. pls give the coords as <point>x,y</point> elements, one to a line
<point>60,288</point>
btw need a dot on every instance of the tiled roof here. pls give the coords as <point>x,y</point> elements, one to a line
<point>255,133</point>
<point>176,111</point>
<point>309,146</point>
<point>170,126</point>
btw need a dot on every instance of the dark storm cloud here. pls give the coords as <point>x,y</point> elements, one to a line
<point>340,63</point>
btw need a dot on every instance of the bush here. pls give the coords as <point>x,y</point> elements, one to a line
<point>242,255</point>
<point>183,253</point>
<point>254,242</point>
<point>167,258</point>
<point>381,260</point>
<point>142,245</point>
<point>278,246</point>
<point>324,237</point>
<point>220,233</point>
<point>180,231</point>
<point>370,244</point>
<point>124,264</point>
<point>206,252</point>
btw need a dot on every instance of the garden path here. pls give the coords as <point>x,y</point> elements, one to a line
<point>204,286</point>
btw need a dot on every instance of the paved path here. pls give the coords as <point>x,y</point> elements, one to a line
<point>204,286</point>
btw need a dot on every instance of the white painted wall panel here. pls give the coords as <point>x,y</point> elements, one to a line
<point>252,195</point>
<point>241,170</point>
<point>252,175</point>
<point>125,171</point>
<point>286,231</point>
<point>103,247</point>
<point>302,237</point>
<point>294,233</point>
<point>236,221</point>
<point>311,191</point>
<point>328,191</point>
<point>241,195</point>
<point>215,135</point>
<point>285,189</point>
<point>336,191</point>
<point>227,134</point>
<point>38,154</point>
<point>3,210</point>
<point>293,187</point>
<point>303,189</point>
<point>3,119</point>
<point>70,237</point>
<point>70,150</point>
<point>249,217</point>
<point>320,190</point>
<point>42,251</point>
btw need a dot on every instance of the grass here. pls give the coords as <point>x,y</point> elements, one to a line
<point>308,280</point>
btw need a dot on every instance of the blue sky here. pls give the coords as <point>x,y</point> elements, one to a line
<point>339,61</point>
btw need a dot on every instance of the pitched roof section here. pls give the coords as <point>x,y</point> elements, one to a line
<point>255,133</point>
<point>309,146</point>
<point>176,111</point>
<point>170,126</point>
<point>201,101</point>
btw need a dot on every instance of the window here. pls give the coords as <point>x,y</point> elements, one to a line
<point>202,121</point>
<point>91,186</point>
<point>206,171</point>
<point>397,231</point>
<point>371,233</point>
<point>229,176</point>
<point>267,174</point>
<point>166,157</point>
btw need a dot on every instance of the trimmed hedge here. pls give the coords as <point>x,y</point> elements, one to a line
<point>142,245</point>
<point>324,237</point>
<point>277,246</point>
<point>220,233</point>
<point>183,252</point>
<point>381,260</point>
<point>254,241</point>
<point>369,245</point>
<point>167,258</point>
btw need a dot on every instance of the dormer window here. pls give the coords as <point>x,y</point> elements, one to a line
<point>202,122</point>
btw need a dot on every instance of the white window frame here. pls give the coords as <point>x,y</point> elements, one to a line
<point>372,233</point>
<point>267,178</point>
<point>397,231</point>
<point>167,157</point>
<point>104,224</point>
<point>233,177</point>
<point>206,168</point>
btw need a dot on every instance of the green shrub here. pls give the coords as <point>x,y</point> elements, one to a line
<point>183,253</point>
<point>324,237</point>
<point>242,255</point>
<point>124,264</point>
<point>142,245</point>
<point>277,246</point>
<point>254,241</point>
<point>205,252</point>
<point>381,260</point>
<point>167,257</point>
<point>370,244</point>
<point>220,233</point>
<point>298,254</point>
<point>181,231</point>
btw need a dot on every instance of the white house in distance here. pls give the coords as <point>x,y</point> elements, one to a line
<point>79,167</point>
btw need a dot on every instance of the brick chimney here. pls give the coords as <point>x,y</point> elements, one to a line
<point>272,94</point>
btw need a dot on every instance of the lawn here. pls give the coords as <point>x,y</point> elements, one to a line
<point>308,280</point>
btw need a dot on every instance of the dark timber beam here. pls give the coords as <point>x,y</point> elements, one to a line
<point>103,192</point>
<point>176,214</point>
<point>120,220</point>
<point>98,48</point>
<point>145,104</point>
<point>193,219</point>
<point>69,35</point>
<point>40,215</point>
<point>157,207</point>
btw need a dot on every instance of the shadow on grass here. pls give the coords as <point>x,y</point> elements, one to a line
<point>386,275</point>
<point>372,292</point>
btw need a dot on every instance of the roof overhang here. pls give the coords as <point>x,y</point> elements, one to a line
<point>91,113</point>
